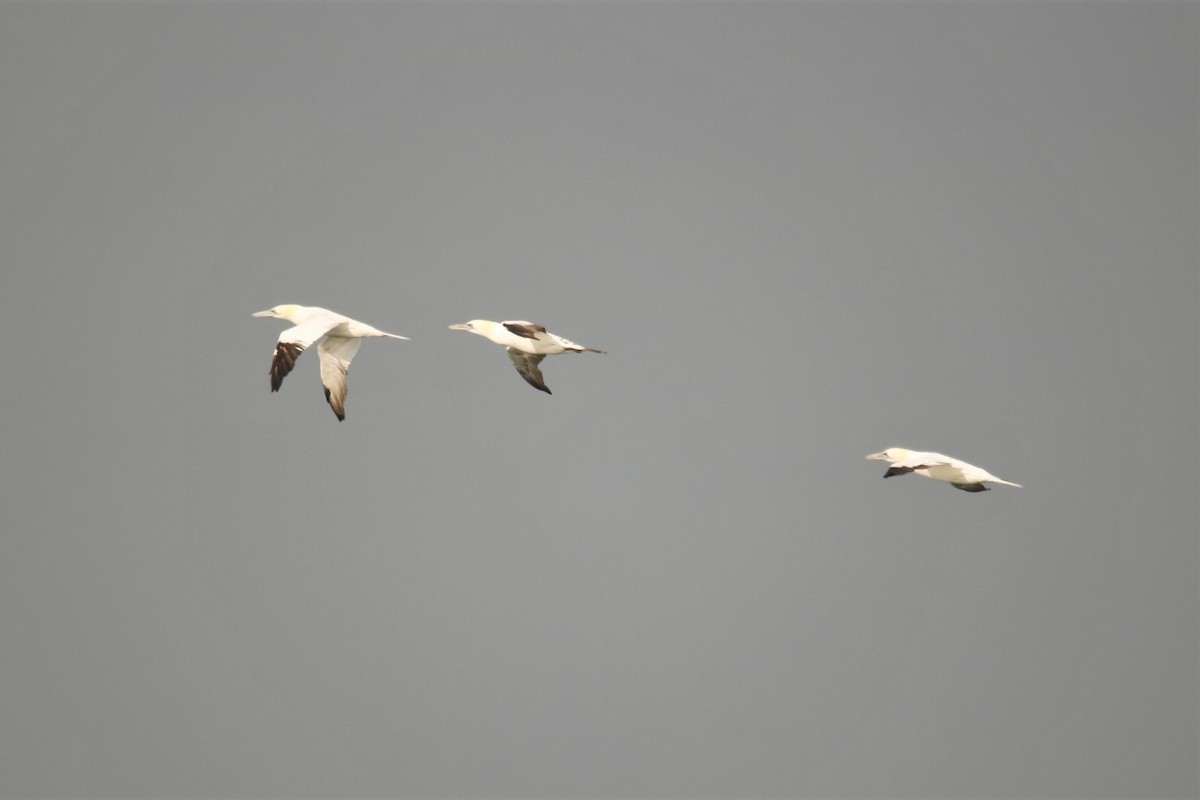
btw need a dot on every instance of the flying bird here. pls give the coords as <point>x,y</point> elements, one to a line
<point>527,344</point>
<point>342,338</point>
<point>958,474</point>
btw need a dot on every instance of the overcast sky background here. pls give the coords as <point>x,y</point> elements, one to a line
<point>803,232</point>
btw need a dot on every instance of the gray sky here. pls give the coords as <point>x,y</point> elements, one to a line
<point>803,232</point>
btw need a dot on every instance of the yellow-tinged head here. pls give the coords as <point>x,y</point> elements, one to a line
<point>483,327</point>
<point>891,454</point>
<point>288,311</point>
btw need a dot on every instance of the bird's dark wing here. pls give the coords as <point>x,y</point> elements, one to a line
<point>291,344</point>
<point>527,330</point>
<point>527,367</point>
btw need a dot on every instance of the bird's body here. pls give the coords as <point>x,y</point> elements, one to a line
<point>959,474</point>
<point>527,344</point>
<point>342,339</point>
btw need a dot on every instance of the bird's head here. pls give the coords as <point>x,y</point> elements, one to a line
<point>479,326</point>
<point>891,454</point>
<point>288,311</point>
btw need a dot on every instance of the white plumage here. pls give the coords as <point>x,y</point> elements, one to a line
<point>342,339</point>
<point>527,344</point>
<point>959,474</point>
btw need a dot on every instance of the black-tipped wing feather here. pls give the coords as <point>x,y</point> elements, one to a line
<point>527,367</point>
<point>336,354</point>
<point>284,362</point>
<point>292,342</point>
<point>529,331</point>
<point>912,465</point>
<point>894,471</point>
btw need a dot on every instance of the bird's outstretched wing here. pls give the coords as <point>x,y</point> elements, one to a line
<point>292,342</point>
<point>336,354</point>
<point>527,366</point>
<point>918,461</point>
<point>893,471</point>
<point>527,330</point>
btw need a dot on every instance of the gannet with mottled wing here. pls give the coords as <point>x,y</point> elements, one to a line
<point>527,344</point>
<point>342,338</point>
<point>958,474</point>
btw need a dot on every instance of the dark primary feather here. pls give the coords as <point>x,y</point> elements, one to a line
<point>284,361</point>
<point>339,409</point>
<point>529,331</point>
<point>527,367</point>
<point>894,471</point>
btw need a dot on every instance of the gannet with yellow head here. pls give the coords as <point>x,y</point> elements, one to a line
<point>527,344</point>
<point>958,474</point>
<point>342,338</point>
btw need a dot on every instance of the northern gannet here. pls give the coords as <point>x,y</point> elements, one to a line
<point>527,344</point>
<point>342,338</point>
<point>958,474</point>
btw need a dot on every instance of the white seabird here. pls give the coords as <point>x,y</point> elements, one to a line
<point>527,344</point>
<point>958,474</point>
<point>342,338</point>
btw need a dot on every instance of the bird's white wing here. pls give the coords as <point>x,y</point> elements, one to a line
<point>292,342</point>
<point>527,367</point>
<point>336,354</point>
